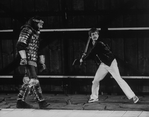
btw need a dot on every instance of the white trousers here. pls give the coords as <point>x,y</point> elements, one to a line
<point>114,71</point>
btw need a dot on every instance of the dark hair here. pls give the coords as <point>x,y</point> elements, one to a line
<point>92,30</point>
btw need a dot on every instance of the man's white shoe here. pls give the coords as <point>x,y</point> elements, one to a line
<point>135,99</point>
<point>93,100</point>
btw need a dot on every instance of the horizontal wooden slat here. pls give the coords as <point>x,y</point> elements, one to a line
<point>6,76</point>
<point>71,76</point>
<point>134,77</point>
<point>85,29</point>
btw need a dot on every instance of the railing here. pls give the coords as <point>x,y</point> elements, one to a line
<point>73,76</point>
<point>84,29</point>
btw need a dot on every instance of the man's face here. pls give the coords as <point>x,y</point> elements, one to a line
<point>94,36</point>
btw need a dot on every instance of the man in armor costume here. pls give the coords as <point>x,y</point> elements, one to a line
<point>106,61</point>
<point>28,50</point>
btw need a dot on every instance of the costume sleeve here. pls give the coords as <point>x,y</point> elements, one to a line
<point>23,38</point>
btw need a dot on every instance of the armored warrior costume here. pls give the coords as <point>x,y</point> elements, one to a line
<point>28,49</point>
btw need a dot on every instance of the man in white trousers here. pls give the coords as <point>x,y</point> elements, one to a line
<point>107,64</point>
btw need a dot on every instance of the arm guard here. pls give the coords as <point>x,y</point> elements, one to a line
<point>42,62</point>
<point>42,59</point>
<point>22,54</point>
<point>23,57</point>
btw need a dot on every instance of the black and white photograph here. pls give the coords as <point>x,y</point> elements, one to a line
<point>74,58</point>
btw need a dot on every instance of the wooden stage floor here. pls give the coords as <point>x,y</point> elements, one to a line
<point>76,105</point>
<point>70,113</point>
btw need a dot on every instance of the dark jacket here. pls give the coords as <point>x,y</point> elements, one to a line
<point>100,53</point>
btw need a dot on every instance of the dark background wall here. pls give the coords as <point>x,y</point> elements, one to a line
<point>62,47</point>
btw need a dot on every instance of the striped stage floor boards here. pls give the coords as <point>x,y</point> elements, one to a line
<point>70,113</point>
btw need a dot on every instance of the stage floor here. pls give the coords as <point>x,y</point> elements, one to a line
<point>70,113</point>
<point>76,105</point>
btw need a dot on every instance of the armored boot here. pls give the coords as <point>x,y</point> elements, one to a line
<point>23,104</point>
<point>43,104</point>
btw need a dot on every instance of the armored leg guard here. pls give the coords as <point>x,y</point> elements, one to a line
<point>21,97</point>
<point>23,92</point>
<point>36,89</point>
<point>37,92</point>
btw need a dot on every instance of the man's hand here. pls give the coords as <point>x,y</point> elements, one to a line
<point>23,61</point>
<point>81,61</point>
<point>43,67</point>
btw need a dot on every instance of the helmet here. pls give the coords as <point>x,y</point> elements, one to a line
<point>37,19</point>
<point>33,22</point>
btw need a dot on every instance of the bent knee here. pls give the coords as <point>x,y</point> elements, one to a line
<point>34,82</point>
<point>96,81</point>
